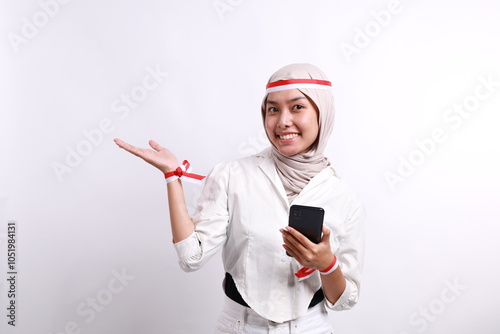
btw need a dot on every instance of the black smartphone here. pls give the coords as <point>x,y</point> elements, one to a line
<point>308,220</point>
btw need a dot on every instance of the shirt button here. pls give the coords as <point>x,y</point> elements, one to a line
<point>282,280</point>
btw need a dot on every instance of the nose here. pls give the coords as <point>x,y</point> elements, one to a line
<point>284,120</point>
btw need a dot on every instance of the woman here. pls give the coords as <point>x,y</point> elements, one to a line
<point>244,210</point>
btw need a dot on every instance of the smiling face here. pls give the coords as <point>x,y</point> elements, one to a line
<point>291,121</point>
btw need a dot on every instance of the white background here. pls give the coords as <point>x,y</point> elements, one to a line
<point>437,226</point>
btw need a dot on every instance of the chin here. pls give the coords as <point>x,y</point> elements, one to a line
<point>287,152</point>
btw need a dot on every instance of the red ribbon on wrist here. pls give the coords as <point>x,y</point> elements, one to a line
<point>183,171</point>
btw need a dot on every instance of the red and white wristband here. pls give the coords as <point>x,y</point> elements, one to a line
<point>331,268</point>
<point>184,171</point>
<point>305,272</point>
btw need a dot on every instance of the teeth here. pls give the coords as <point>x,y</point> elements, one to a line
<point>289,136</point>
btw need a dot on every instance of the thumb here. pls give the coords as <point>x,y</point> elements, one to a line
<point>157,147</point>
<point>326,234</point>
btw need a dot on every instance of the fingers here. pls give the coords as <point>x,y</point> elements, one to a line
<point>154,145</point>
<point>129,148</point>
<point>292,252</point>
<point>119,142</point>
<point>136,150</point>
<point>122,144</point>
<point>291,249</point>
<point>295,241</point>
<point>298,237</point>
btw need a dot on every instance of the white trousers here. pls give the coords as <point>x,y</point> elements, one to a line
<point>238,319</point>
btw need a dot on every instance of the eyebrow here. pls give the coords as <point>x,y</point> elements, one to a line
<point>291,100</point>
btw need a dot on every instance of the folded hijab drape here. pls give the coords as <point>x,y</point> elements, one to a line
<point>297,170</point>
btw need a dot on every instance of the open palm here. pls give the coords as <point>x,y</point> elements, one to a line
<point>159,157</point>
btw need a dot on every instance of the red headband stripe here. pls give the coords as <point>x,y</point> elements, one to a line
<point>297,83</point>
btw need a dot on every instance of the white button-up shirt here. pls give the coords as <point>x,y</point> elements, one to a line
<point>241,210</point>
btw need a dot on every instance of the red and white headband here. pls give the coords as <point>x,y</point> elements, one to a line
<point>297,83</point>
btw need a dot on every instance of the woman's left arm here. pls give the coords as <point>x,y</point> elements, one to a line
<point>341,287</point>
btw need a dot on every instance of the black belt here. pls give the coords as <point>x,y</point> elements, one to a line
<point>234,295</point>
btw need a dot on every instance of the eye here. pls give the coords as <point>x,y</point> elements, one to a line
<point>298,107</point>
<point>272,109</point>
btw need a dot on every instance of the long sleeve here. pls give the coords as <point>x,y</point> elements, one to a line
<point>211,220</point>
<point>350,255</point>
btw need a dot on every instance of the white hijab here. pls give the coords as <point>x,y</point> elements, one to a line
<point>297,170</point>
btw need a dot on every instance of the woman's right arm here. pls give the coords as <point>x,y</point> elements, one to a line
<point>165,161</point>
